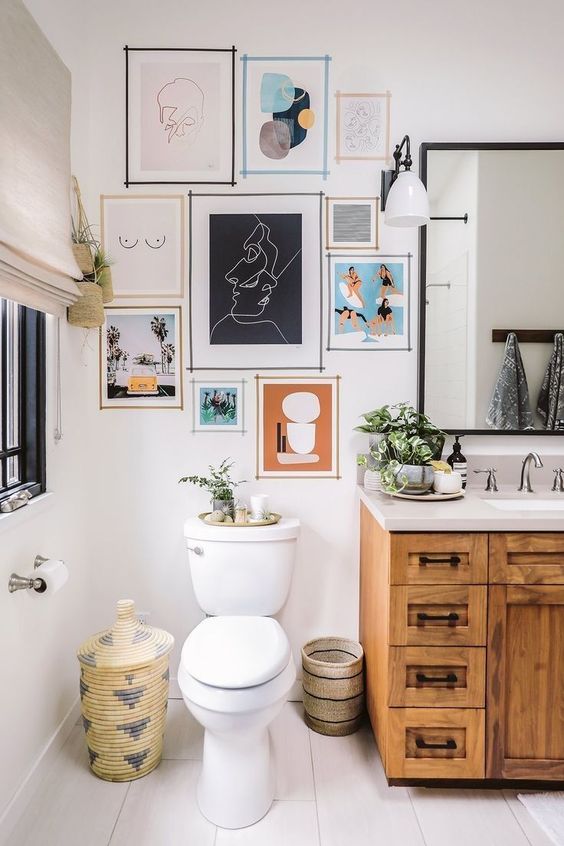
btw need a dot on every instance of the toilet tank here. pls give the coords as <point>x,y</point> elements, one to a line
<point>241,570</point>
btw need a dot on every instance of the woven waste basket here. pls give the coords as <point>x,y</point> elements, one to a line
<point>124,691</point>
<point>333,681</point>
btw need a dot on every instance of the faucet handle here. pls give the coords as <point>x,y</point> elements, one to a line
<point>491,482</point>
<point>558,484</point>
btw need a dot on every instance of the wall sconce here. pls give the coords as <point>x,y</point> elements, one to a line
<point>403,195</point>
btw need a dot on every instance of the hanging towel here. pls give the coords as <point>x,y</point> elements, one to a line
<point>509,405</point>
<point>550,403</point>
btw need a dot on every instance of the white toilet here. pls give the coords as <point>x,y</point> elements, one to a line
<point>236,668</point>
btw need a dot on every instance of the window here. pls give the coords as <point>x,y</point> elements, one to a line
<point>22,399</point>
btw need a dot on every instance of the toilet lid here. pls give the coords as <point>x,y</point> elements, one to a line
<point>236,652</point>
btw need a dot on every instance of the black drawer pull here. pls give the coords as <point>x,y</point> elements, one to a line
<point>422,744</point>
<point>453,561</point>
<point>450,678</point>
<point>452,617</point>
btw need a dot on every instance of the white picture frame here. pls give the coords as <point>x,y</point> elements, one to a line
<point>218,405</point>
<point>351,223</point>
<point>363,126</point>
<point>144,237</point>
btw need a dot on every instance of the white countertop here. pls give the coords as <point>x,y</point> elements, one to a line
<point>472,513</point>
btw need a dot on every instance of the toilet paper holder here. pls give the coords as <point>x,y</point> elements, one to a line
<point>16,582</point>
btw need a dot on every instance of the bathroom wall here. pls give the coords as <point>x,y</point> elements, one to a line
<point>455,73</point>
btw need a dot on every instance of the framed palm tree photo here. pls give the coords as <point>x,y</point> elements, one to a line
<point>141,358</point>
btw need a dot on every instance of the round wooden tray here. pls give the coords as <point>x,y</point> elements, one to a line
<point>274,518</point>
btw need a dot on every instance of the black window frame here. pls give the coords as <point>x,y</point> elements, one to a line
<point>31,410</point>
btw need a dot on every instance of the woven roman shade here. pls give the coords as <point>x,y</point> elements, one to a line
<point>37,266</point>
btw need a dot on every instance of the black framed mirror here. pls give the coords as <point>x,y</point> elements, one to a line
<point>491,264</point>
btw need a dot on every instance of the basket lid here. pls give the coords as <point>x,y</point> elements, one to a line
<point>128,643</point>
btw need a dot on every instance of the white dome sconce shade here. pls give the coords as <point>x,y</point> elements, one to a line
<point>403,195</point>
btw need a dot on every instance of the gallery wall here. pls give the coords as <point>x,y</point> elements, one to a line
<point>452,78</point>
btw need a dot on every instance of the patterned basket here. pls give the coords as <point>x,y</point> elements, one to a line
<point>333,681</point>
<point>124,692</point>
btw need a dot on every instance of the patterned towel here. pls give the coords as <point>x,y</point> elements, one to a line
<point>550,403</point>
<point>509,405</point>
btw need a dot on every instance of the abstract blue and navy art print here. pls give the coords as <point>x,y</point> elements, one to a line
<point>285,114</point>
<point>369,302</point>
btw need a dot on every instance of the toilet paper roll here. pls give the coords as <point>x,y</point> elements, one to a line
<point>53,573</point>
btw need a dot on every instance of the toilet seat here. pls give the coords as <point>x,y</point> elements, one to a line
<point>236,652</point>
<point>236,664</point>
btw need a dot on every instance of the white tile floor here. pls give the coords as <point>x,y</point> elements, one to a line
<point>330,792</point>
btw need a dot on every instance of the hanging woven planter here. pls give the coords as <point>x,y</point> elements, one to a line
<point>83,257</point>
<point>88,311</point>
<point>124,693</point>
<point>105,283</point>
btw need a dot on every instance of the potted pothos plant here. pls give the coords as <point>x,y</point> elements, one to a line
<point>409,442</point>
<point>219,485</point>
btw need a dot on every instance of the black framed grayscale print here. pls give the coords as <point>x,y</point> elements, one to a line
<point>180,116</point>
<point>255,275</point>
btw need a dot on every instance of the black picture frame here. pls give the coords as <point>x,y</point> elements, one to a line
<point>424,149</point>
<point>127,50</point>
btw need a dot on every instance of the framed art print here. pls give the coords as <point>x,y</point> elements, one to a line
<point>255,282</point>
<point>351,223</point>
<point>141,358</point>
<point>285,114</point>
<point>144,238</point>
<point>369,302</point>
<point>297,427</point>
<point>363,127</point>
<point>180,116</point>
<point>218,406</point>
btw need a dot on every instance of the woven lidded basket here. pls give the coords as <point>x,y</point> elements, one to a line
<point>333,681</point>
<point>124,692</point>
<point>88,310</point>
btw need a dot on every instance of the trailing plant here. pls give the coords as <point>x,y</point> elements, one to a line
<point>379,420</point>
<point>219,483</point>
<point>402,417</point>
<point>395,451</point>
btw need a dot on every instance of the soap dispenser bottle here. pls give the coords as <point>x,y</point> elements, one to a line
<point>458,461</point>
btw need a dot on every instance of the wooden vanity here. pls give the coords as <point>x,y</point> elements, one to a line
<point>463,633</point>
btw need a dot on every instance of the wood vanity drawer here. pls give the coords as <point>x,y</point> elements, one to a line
<point>437,615</point>
<point>436,743</point>
<point>446,558</point>
<point>534,559</point>
<point>437,676</point>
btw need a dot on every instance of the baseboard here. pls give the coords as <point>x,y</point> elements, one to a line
<point>22,797</point>
<point>295,695</point>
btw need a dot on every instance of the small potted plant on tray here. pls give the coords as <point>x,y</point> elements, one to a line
<point>219,485</point>
<point>409,442</point>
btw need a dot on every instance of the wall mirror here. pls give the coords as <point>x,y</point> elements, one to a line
<point>491,262</point>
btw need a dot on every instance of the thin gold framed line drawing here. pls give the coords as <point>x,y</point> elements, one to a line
<point>337,380</point>
<point>345,247</point>
<point>183,241</point>
<point>339,157</point>
<point>181,372</point>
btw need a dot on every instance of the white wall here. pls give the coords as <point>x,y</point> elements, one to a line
<point>456,73</point>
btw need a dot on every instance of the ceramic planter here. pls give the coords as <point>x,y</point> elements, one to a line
<point>419,478</point>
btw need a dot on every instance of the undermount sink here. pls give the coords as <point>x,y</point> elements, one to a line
<point>524,503</point>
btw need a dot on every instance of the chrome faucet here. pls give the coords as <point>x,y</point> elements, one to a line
<point>526,471</point>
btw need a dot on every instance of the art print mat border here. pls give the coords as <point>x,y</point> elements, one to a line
<point>219,429</point>
<point>374,258</point>
<point>343,158</point>
<point>191,367</point>
<point>183,228</point>
<point>245,58</point>
<point>180,372</point>
<point>337,380</point>
<point>376,201</point>
<point>127,51</point>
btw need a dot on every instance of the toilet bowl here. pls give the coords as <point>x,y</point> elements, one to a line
<point>235,675</point>
<point>236,669</point>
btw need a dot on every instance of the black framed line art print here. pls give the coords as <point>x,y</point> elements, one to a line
<point>255,281</point>
<point>180,116</point>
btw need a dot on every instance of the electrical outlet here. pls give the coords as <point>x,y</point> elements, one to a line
<point>143,616</point>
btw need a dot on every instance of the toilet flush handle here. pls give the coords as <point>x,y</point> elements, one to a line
<point>197,550</point>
